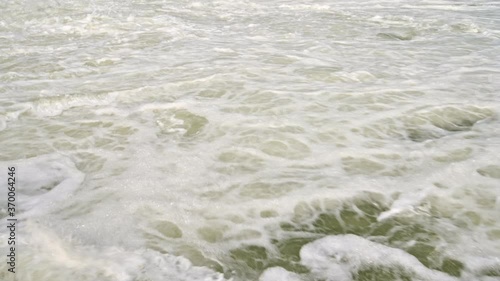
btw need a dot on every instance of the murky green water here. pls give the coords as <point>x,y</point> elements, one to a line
<point>249,140</point>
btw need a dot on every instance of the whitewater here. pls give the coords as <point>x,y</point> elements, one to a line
<point>251,140</point>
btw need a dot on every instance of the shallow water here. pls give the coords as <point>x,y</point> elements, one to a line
<point>247,140</point>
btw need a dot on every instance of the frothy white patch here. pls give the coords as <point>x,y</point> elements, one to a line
<point>337,257</point>
<point>278,273</point>
<point>42,182</point>
<point>50,257</point>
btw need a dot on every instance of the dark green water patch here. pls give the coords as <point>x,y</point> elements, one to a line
<point>328,224</point>
<point>250,261</point>
<point>197,258</point>
<point>289,249</point>
<point>255,257</point>
<point>406,231</point>
<point>382,273</point>
<point>358,216</point>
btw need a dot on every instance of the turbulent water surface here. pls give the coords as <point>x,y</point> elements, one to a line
<point>252,140</point>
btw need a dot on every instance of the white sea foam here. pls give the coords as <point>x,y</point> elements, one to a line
<point>174,141</point>
<point>51,258</point>
<point>339,257</point>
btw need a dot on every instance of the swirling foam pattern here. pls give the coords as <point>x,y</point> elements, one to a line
<point>252,140</point>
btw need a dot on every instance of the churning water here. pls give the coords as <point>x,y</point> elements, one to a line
<point>252,140</point>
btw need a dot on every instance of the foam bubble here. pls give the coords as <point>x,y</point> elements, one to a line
<point>56,105</point>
